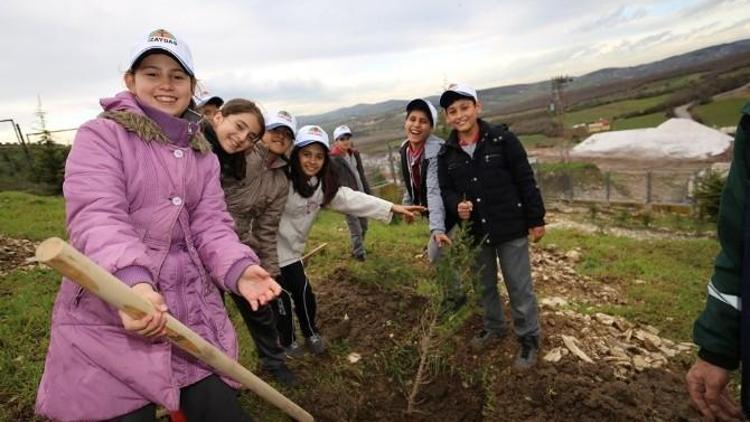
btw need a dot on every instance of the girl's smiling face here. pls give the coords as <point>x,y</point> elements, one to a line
<point>236,132</point>
<point>160,82</point>
<point>312,158</point>
<point>278,140</point>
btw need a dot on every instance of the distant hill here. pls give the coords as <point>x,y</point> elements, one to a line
<point>383,120</point>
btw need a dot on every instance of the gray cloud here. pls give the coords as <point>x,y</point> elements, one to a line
<point>705,6</point>
<point>621,15</point>
<point>335,53</point>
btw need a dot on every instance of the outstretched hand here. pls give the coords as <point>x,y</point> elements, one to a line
<point>257,286</point>
<point>408,211</point>
<point>151,325</point>
<point>707,385</point>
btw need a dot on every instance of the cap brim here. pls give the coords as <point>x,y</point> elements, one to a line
<point>278,125</point>
<point>143,52</point>
<point>305,143</point>
<point>421,105</point>
<point>449,97</point>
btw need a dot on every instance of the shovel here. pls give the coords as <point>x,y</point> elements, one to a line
<point>64,258</point>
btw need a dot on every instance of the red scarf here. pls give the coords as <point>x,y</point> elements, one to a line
<point>414,159</point>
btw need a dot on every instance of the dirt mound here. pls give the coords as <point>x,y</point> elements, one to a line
<point>383,328</point>
<point>553,272</point>
<point>571,389</point>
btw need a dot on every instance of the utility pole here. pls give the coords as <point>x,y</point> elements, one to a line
<point>557,106</point>
<point>41,116</point>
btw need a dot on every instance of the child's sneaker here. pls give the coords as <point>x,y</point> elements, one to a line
<point>316,344</point>
<point>294,350</point>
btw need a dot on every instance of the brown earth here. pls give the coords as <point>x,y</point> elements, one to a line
<point>383,328</point>
<point>14,254</point>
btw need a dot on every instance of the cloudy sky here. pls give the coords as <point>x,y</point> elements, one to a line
<point>315,56</point>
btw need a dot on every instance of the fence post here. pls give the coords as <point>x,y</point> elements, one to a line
<point>648,187</point>
<point>607,185</point>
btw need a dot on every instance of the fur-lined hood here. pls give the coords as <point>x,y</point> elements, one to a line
<point>126,111</point>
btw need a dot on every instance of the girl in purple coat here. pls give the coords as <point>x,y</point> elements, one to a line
<point>143,200</point>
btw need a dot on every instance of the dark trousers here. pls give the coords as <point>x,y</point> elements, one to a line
<point>262,327</point>
<point>209,399</point>
<point>297,296</point>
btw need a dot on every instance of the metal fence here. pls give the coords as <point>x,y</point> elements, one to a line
<point>664,186</point>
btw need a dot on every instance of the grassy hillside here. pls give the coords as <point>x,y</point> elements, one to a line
<point>612,110</point>
<point>648,120</point>
<point>721,113</point>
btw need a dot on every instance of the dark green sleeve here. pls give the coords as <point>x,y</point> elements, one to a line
<point>717,329</point>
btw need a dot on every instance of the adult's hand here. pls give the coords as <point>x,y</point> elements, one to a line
<point>257,286</point>
<point>707,385</point>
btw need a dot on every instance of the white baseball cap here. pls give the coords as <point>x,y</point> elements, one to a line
<point>341,131</point>
<point>215,100</point>
<point>310,134</point>
<point>280,118</point>
<point>424,105</point>
<point>457,91</point>
<point>161,39</point>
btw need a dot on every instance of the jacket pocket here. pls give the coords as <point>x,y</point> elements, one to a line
<point>77,297</point>
<point>492,158</point>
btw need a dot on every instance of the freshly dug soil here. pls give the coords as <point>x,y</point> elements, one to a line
<point>383,328</point>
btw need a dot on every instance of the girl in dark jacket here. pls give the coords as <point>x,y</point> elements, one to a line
<point>255,186</point>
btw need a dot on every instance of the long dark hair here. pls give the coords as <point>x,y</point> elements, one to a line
<point>232,165</point>
<point>327,176</point>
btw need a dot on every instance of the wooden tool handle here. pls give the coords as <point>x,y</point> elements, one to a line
<point>314,251</point>
<point>59,255</point>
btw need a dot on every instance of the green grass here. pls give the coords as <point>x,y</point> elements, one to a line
<point>675,272</point>
<point>648,120</point>
<point>24,334</point>
<point>672,84</point>
<point>573,166</point>
<point>30,216</point>
<point>538,140</point>
<point>611,110</point>
<point>721,113</point>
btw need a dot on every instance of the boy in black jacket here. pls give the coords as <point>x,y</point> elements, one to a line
<point>485,179</point>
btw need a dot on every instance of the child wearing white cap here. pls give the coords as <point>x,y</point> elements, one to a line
<point>485,179</point>
<point>352,175</point>
<point>209,106</point>
<point>418,155</point>
<point>255,187</point>
<point>143,201</point>
<point>314,185</point>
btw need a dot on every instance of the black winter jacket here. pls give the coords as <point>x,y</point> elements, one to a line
<point>498,180</point>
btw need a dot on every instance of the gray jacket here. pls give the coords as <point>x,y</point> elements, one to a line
<point>430,186</point>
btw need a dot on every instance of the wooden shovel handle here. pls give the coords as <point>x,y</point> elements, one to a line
<point>64,258</point>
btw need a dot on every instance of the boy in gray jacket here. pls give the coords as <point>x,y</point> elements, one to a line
<point>419,171</point>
